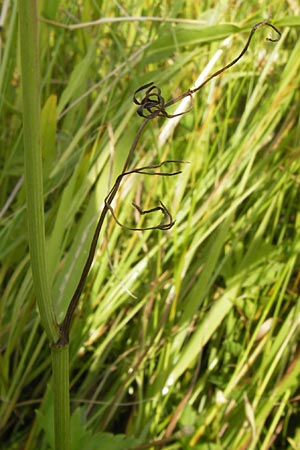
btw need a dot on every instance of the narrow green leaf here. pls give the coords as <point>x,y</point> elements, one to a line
<point>170,40</point>
<point>77,78</point>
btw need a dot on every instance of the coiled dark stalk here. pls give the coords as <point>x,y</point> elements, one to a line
<point>151,105</point>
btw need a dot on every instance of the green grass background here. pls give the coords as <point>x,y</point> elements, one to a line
<point>187,338</point>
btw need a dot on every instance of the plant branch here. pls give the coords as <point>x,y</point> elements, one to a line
<point>65,326</point>
<point>151,105</point>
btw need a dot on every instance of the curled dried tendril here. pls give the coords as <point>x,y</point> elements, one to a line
<point>167,221</point>
<point>153,103</point>
<point>165,224</point>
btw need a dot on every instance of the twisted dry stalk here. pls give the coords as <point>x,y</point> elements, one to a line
<point>150,106</point>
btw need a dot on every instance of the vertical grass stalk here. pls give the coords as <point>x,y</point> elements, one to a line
<point>33,163</point>
<point>60,367</point>
<point>30,73</point>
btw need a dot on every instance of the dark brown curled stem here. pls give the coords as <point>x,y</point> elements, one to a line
<point>65,325</point>
<point>232,63</point>
<point>150,106</point>
<point>164,225</point>
<point>167,221</point>
<point>153,103</point>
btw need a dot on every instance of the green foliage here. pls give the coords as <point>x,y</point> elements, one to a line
<point>190,336</point>
<point>81,436</point>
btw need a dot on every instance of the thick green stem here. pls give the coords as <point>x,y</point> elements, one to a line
<point>33,163</point>
<point>60,367</point>
<point>30,72</point>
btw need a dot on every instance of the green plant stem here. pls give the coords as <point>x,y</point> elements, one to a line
<point>35,216</point>
<point>33,163</point>
<point>60,367</point>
